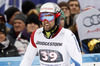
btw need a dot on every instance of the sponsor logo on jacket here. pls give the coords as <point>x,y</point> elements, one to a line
<point>49,43</point>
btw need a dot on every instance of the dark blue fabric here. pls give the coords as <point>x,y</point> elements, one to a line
<point>2,9</point>
<point>85,48</point>
<point>42,1</point>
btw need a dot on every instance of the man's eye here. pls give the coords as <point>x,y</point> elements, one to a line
<point>71,5</point>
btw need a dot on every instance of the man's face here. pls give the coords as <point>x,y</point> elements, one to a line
<point>74,7</point>
<point>66,11</point>
<point>48,20</point>
<point>19,25</point>
<point>48,25</point>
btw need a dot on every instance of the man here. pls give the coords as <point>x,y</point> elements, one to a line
<point>22,41</point>
<point>55,45</point>
<point>74,6</point>
<point>18,26</point>
<point>65,8</point>
<point>10,14</point>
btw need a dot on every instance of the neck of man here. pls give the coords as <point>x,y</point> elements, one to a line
<point>72,16</point>
<point>49,33</point>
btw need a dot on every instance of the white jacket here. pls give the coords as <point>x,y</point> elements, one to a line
<point>56,51</point>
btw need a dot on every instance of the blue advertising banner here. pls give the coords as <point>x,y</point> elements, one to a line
<point>4,4</point>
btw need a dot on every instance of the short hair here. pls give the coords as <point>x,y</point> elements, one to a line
<point>63,4</point>
<point>10,12</point>
<point>74,0</point>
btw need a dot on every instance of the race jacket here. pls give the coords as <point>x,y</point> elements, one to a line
<point>57,51</point>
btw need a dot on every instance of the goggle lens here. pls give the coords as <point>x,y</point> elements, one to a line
<point>46,16</point>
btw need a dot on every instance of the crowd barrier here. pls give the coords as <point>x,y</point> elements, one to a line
<point>87,59</point>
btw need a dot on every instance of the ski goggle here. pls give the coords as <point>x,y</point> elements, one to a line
<point>46,16</point>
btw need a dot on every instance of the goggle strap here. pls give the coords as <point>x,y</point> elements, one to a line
<point>58,14</point>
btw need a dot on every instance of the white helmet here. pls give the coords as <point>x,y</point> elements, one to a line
<point>53,8</point>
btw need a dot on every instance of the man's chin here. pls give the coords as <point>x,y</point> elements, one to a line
<point>17,31</point>
<point>46,30</point>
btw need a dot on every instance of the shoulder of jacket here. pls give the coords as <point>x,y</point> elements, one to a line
<point>67,30</point>
<point>39,31</point>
